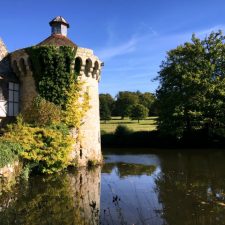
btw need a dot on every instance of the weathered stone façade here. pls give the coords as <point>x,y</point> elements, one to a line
<point>87,65</point>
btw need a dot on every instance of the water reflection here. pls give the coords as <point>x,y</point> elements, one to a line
<point>70,198</point>
<point>128,169</point>
<point>174,188</point>
<point>191,188</point>
<point>128,190</point>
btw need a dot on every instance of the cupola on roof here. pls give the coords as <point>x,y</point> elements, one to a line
<point>58,36</point>
<point>59,20</point>
<point>59,26</point>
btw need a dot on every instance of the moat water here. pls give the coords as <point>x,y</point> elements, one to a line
<point>167,187</point>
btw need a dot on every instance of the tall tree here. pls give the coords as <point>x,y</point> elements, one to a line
<point>148,100</point>
<point>138,112</point>
<point>191,94</point>
<point>124,100</point>
<point>105,113</point>
<point>106,106</point>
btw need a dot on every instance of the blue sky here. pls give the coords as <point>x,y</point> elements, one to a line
<point>130,36</point>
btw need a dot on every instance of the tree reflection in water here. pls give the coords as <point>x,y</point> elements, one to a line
<point>191,189</point>
<point>129,169</point>
<point>187,188</point>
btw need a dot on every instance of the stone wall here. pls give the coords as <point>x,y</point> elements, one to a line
<point>3,50</point>
<point>22,68</point>
<point>90,146</point>
<point>8,175</point>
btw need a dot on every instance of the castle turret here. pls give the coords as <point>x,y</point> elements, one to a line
<point>59,26</point>
<point>88,68</point>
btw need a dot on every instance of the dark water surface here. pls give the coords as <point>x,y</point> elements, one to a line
<point>167,187</point>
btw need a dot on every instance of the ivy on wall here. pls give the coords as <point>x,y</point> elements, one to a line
<point>53,71</point>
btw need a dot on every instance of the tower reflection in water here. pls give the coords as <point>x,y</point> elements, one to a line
<point>68,198</point>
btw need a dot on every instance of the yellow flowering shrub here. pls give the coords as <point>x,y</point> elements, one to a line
<point>76,106</point>
<point>49,148</point>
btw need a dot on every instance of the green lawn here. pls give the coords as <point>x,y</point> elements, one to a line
<point>144,125</point>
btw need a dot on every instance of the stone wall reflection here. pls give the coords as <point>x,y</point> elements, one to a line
<point>69,198</point>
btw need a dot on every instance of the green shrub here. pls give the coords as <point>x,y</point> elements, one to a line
<point>122,130</point>
<point>9,152</point>
<point>42,113</point>
<point>138,112</point>
<point>25,172</point>
<point>61,127</point>
<point>48,148</point>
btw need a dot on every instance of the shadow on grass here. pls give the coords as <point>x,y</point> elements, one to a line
<point>153,139</point>
<point>125,122</point>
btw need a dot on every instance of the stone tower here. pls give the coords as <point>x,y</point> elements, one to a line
<point>88,66</point>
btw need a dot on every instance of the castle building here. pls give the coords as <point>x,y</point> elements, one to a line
<point>17,86</point>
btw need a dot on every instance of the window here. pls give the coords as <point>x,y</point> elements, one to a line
<point>56,29</point>
<point>13,99</point>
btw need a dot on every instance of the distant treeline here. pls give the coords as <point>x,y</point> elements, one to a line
<point>136,105</point>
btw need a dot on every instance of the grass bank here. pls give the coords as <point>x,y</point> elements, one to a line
<point>147,124</point>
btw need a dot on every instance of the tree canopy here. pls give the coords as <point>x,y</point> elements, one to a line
<point>148,100</point>
<point>124,100</point>
<point>106,106</point>
<point>138,112</point>
<point>191,95</point>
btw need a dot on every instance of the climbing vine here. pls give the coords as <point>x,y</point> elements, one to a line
<point>53,71</point>
<point>77,105</point>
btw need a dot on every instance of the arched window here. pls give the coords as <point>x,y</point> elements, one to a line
<point>88,67</point>
<point>78,63</point>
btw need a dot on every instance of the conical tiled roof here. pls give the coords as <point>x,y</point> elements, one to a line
<point>58,40</point>
<point>59,19</point>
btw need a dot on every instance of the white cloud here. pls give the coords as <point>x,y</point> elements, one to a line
<point>121,49</point>
<point>112,48</point>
